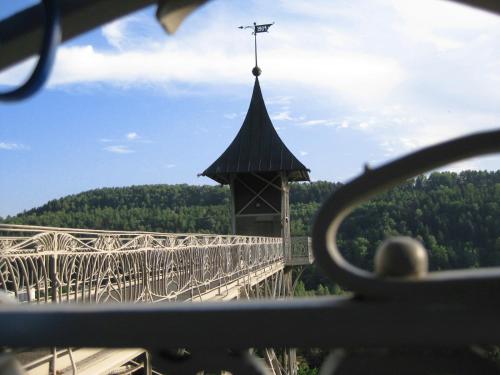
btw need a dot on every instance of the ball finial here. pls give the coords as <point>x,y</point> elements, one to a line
<point>401,257</point>
<point>256,71</point>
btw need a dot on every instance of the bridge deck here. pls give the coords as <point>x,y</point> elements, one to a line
<point>87,361</point>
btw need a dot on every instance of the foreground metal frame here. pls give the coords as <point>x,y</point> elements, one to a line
<point>461,286</point>
<point>320,322</point>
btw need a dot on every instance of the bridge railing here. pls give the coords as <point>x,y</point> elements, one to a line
<point>41,265</point>
<point>301,253</point>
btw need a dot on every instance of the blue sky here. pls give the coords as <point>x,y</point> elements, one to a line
<point>346,83</point>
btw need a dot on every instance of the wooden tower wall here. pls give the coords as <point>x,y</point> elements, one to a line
<point>260,205</point>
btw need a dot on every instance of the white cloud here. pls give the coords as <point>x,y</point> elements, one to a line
<point>364,125</point>
<point>132,135</point>
<point>291,56</point>
<point>444,25</point>
<point>285,116</point>
<point>282,116</point>
<point>401,73</point>
<point>344,124</point>
<point>17,74</point>
<point>133,31</point>
<point>230,116</point>
<point>279,100</point>
<point>399,129</point>
<point>114,33</point>
<point>318,123</point>
<point>443,15</point>
<point>348,67</point>
<point>303,153</point>
<point>119,149</point>
<point>169,166</point>
<point>8,146</point>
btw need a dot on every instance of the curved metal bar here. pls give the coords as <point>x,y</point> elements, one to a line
<point>488,5</point>
<point>446,285</point>
<point>50,42</point>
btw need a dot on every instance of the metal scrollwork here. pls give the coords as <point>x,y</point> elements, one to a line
<point>50,42</point>
<point>78,266</point>
<point>450,285</point>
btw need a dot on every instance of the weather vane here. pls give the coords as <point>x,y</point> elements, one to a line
<point>257,29</point>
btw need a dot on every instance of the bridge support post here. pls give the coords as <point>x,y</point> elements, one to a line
<point>54,285</point>
<point>146,361</point>
<point>290,354</point>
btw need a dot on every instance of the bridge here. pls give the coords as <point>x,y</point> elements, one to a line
<point>42,265</point>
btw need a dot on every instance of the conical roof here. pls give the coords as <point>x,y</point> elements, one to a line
<point>257,148</point>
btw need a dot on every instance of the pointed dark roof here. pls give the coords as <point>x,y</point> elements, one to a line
<point>257,148</point>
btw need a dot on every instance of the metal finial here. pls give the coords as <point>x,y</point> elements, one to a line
<point>256,71</point>
<point>401,257</point>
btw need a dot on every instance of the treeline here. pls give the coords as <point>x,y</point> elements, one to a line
<point>159,208</point>
<point>456,216</point>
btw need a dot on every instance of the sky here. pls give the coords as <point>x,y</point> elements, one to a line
<point>346,82</point>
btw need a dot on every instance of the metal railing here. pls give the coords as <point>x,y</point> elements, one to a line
<point>52,265</point>
<point>68,265</point>
<point>301,253</point>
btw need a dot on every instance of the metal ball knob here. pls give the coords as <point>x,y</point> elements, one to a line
<point>401,257</point>
<point>256,71</point>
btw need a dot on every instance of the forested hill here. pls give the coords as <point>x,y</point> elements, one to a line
<point>160,208</point>
<point>457,216</point>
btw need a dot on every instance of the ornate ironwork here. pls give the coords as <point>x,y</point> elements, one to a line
<point>41,265</point>
<point>451,285</point>
<point>98,266</point>
<point>300,252</point>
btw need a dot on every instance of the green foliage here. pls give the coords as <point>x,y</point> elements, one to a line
<point>456,216</point>
<point>159,208</point>
<point>304,369</point>
<point>300,290</point>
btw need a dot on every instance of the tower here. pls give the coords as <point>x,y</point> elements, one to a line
<point>258,167</point>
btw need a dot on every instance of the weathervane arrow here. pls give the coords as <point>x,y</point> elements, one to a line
<point>264,28</point>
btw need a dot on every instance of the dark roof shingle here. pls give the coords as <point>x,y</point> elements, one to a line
<point>256,148</point>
